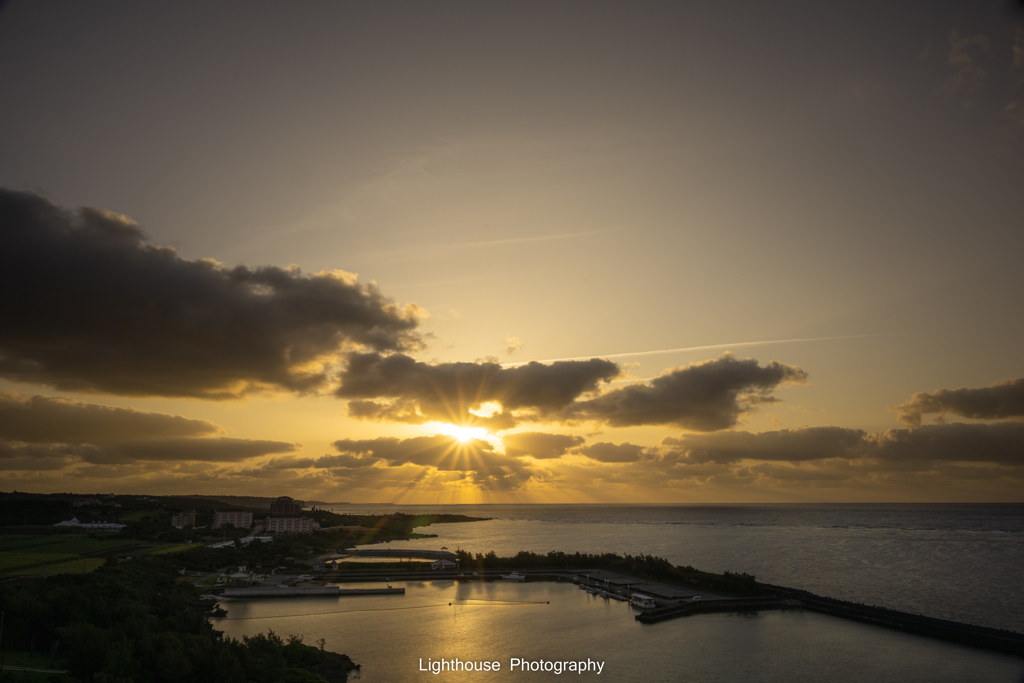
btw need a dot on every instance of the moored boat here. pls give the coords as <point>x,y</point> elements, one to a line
<point>642,601</point>
<point>514,576</point>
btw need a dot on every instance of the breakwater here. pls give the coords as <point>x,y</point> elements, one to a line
<point>778,597</point>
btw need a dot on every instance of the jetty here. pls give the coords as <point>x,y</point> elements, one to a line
<point>779,597</point>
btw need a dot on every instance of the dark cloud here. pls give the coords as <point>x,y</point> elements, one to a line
<point>418,392</point>
<point>87,305</point>
<point>34,455</point>
<point>1002,442</point>
<point>703,397</point>
<point>610,452</point>
<point>539,445</point>
<point>792,445</point>
<point>205,450</point>
<point>488,469</point>
<point>41,432</point>
<point>789,473</point>
<point>1002,400</point>
<point>42,419</point>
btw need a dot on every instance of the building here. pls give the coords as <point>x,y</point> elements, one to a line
<point>443,564</point>
<point>183,519</point>
<point>290,524</point>
<point>92,526</point>
<point>241,519</point>
<point>285,506</point>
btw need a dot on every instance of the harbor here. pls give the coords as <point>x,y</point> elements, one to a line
<point>545,619</point>
<point>653,601</point>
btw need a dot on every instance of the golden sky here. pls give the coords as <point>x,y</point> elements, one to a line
<point>454,252</point>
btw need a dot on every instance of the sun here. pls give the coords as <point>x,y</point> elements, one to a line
<point>465,434</point>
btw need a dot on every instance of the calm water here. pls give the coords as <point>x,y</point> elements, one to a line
<point>389,635</point>
<point>960,562</point>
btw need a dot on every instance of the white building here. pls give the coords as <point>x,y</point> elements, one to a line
<point>92,526</point>
<point>236,518</point>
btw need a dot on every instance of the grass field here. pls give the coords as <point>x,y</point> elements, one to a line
<point>17,541</point>
<point>168,549</point>
<point>75,544</point>
<point>60,553</point>
<point>11,561</point>
<point>78,566</point>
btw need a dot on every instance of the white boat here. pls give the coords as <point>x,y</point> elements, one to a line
<point>514,576</point>
<point>642,601</point>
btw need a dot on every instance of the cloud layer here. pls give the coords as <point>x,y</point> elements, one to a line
<point>1002,400</point>
<point>416,392</point>
<point>704,397</point>
<point>1001,443</point>
<point>89,306</point>
<point>707,396</point>
<point>38,419</point>
<point>41,432</point>
<point>539,445</point>
<point>475,458</point>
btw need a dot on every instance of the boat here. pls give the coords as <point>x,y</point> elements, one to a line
<point>603,594</point>
<point>514,576</point>
<point>591,590</point>
<point>642,601</point>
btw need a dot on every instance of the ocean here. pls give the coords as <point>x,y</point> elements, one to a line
<point>960,562</point>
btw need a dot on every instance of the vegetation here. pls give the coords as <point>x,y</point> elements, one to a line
<point>134,621</point>
<point>396,523</point>
<point>641,566</point>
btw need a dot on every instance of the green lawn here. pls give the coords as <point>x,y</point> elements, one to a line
<point>82,545</point>
<point>80,566</point>
<point>17,541</point>
<point>76,544</point>
<point>21,560</point>
<point>167,549</point>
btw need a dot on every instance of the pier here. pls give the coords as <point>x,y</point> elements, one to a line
<point>778,597</point>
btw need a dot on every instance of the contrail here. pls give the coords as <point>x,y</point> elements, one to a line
<point>706,348</point>
<point>417,253</point>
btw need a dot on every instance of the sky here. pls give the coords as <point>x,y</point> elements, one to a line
<point>444,252</point>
